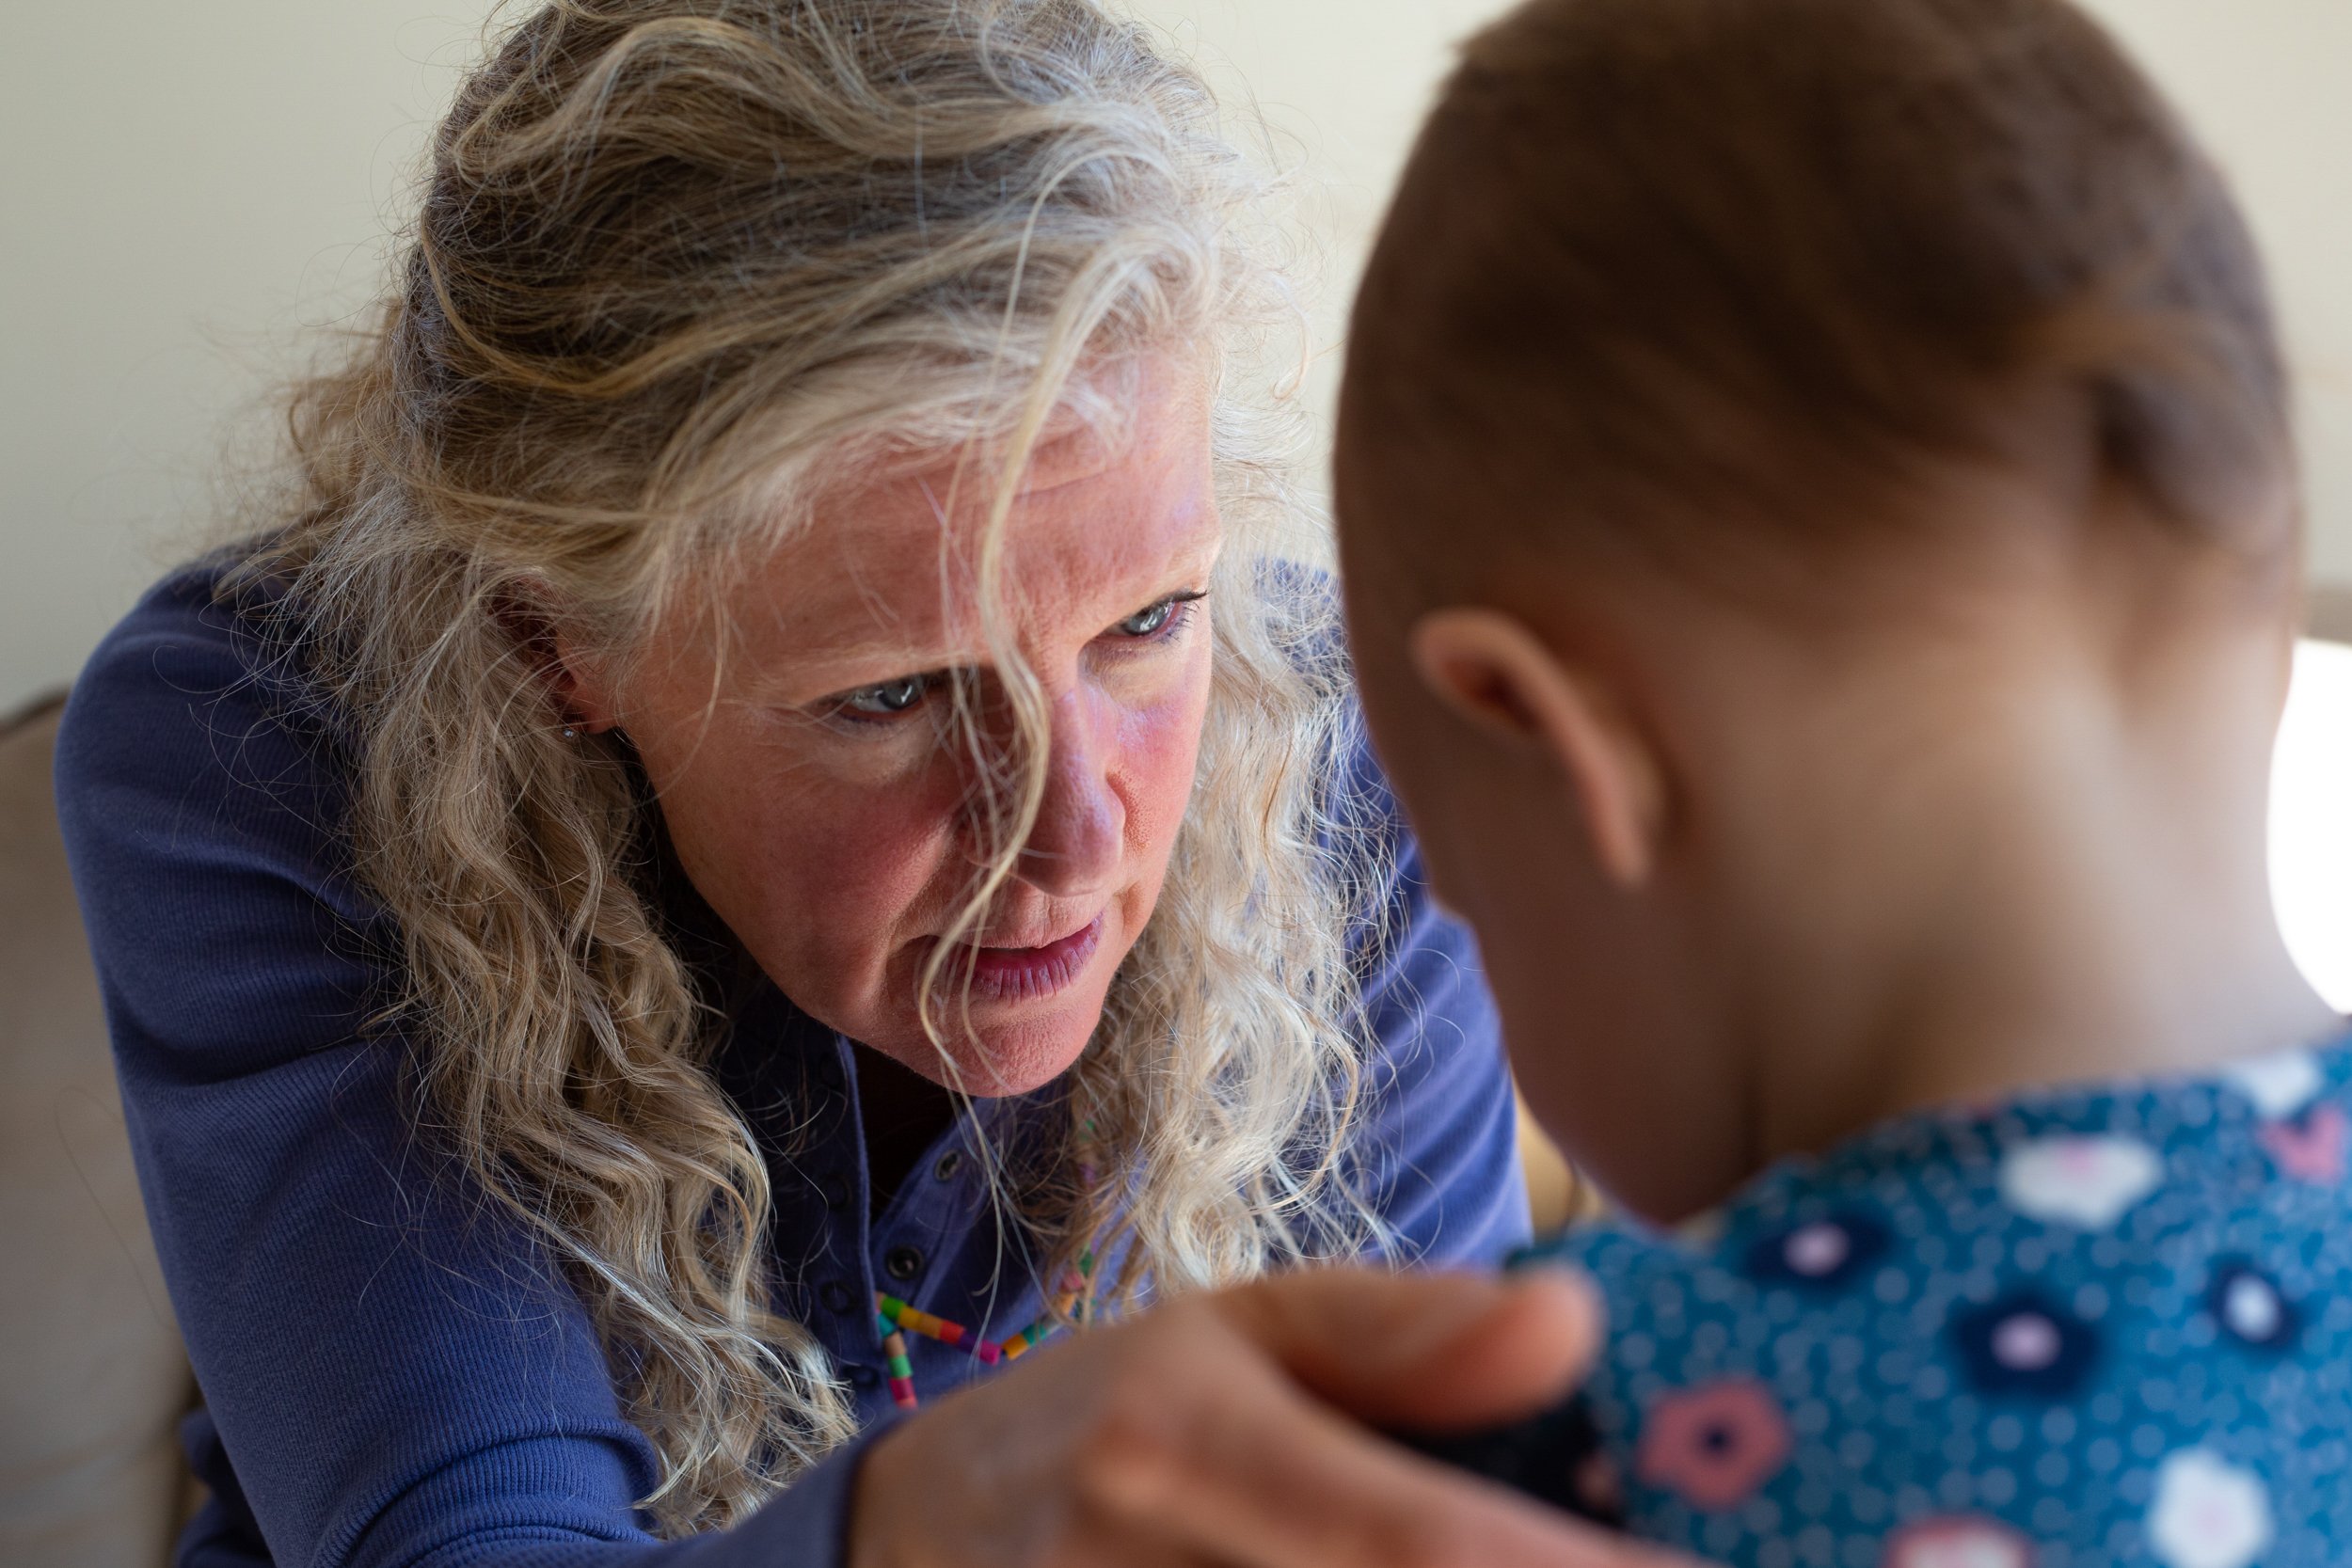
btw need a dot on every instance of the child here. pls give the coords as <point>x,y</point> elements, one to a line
<point>1821,543</point>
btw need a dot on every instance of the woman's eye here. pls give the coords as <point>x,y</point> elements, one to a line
<point>1144,622</point>
<point>889,698</point>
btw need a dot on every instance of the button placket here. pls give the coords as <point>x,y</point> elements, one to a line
<point>837,1181</point>
<point>834,1189</point>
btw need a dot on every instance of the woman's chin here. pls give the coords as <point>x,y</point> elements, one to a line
<point>1004,1048</point>
<point>1010,1055</point>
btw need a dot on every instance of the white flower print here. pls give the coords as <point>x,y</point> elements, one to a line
<point>2251,1309</point>
<point>2087,1181</point>
<point>1817,1249</point>
<point>2208,1514</point>
<point>1958,1543</point>
<point>2279,1085</point>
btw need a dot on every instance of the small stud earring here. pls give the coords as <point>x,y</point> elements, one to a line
<point>570,734</point>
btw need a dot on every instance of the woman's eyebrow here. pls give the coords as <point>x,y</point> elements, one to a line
<point>845,664</point>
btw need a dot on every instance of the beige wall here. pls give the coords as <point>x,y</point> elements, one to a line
<point>187,185</point>
<point>2270,84</point>
<point>184,186</point>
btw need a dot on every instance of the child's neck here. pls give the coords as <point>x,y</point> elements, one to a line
<point>2076,891</point>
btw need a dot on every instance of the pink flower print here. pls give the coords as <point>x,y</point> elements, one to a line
<point>1713,1444</point>
<point>1956,1542</point>
<point>2310,1150</point>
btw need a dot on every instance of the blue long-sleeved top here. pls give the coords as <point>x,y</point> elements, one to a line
<point>393,1372</point>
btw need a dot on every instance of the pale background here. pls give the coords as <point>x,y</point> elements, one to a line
<point>187,186</point>
<point>190,187</point>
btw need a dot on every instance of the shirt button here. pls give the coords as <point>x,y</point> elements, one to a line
<point>834,1190</point>
<point>864,1377</point>
<point>836,1296</point>
<point>902,1263</point>
<point>949,1164</point>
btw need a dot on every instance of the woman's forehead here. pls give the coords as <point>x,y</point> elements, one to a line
<point>887,573</point>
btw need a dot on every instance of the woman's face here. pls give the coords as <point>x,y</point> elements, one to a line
<point>831,814</point>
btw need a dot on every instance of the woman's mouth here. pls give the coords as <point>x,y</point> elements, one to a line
<point>1032,973</point>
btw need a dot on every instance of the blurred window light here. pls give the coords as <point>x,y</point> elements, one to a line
<point>2311,819</point>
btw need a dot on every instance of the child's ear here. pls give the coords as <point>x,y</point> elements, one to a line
<point>1492,671</point>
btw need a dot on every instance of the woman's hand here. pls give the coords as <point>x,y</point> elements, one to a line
<point>1231,1429</point>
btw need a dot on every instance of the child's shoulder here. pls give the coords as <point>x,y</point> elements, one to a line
<point>2115,1318</point>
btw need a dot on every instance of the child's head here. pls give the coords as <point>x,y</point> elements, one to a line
<point>1807,469</point>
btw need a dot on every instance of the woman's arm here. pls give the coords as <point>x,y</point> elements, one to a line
<point>396,1373</point>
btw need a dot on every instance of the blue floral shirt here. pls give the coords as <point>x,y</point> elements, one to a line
<point>2092,1326</point>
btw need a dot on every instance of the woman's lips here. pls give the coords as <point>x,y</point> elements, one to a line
<point>1031,974</point>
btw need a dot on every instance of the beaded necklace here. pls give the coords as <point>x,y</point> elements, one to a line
<point>895,1320</point>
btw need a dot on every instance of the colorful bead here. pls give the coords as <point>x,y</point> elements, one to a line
<point>1066,1307</point>
<point>901,1370</point>
<point>1029,1339</point>
<point>899,1315</point>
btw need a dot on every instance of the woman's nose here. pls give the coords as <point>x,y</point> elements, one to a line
<point>1073,848</point>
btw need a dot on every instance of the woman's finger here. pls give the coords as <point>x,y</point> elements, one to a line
<point>1436,1350</point>
<point>1257,1475</point>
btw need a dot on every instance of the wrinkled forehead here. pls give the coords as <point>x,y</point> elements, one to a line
<point>890,568</point>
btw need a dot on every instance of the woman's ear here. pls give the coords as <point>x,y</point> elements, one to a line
<point>575,677</point>
<point>1490,669</point>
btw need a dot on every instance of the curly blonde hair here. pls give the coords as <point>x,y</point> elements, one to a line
<point>679,265</point>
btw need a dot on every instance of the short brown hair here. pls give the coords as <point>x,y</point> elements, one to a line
<point>1660,263</point>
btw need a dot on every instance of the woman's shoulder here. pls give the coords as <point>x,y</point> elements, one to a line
<point>193,688</point>
<point>202,798</point>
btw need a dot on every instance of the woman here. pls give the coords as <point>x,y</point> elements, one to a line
<point>795,567</point>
